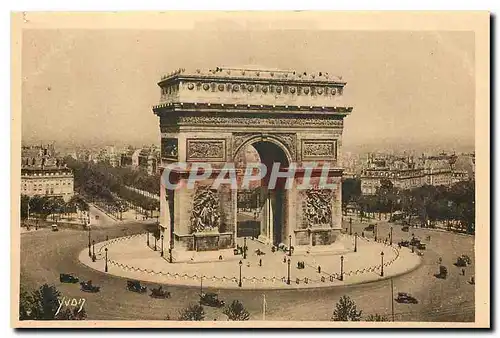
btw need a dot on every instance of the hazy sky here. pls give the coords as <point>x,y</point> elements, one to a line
<point>414,88</point>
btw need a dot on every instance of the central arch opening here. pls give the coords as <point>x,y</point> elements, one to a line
<point>261,209</point>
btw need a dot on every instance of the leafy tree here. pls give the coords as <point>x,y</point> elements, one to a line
<point>236,311</point>
<point>351,191</point>
<point>192,312</point>
<point>43,303</point>
<point>24,206</point>
<point>376,318</point>
<point>345,310</point>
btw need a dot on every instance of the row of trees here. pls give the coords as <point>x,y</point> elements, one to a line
<point>103,183</point>
<point>454,205</point>
<point>43,206</point>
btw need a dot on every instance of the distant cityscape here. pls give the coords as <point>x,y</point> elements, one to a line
<point>44,171</point>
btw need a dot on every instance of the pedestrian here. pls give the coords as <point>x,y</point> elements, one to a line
<point>363,234</point>
<point>463,272</point>
<point>260,262</point>
<point>319,269</point>
<point>284,259</point>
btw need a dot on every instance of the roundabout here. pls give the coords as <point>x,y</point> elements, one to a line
<point>131,257</point>
<point>44,255</point>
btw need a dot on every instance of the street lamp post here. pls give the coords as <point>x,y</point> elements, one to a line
<point>161,246</point>
<point>391,236</point>
<point>147,241</point>
<point>155,241</point>
<point>376,232</point>
<point>288,280</point>
<point>244,248</point>
<point>106,260</point>
<point>412,243</point>
<point>93,251</point>
<point>355,242</point>
<point>241,264</point>
<point>170,248</point>
<point>90,253</point>
<point>290,245</point>
<point>341,268</point>
<point>350,226</point>
<point>382,264</point>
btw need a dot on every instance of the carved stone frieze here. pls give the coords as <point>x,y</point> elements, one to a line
<point>319,149</point>
<point>317,208</point>
<point>206,150</point>
<point>306,121</point>
<point>205,215</point>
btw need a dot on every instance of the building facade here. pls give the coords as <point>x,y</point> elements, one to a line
<point>44,174</point>
<point>406,172</point>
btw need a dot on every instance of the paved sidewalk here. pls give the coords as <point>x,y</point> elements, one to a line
<point>130,257</point>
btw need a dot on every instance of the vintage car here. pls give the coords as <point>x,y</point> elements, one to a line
<point>421,246</point>
<point>211,299</point>
<point>88,287</point>
<point>405,228</point>
<point>404,243</point>
<point>371,227</point>
<point>54,227</point>
<point>68,278</point>
<point>404,297</point>
<point>415,242</point>
<point>443,272</point>
<point>135,286</point>
<point>160,293</point>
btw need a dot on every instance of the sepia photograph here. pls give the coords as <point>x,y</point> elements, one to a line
<point>250,169</point>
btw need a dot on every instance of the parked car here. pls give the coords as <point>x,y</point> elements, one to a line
<point>135,286</point>
<point>404,297</point>
<point>211,299</point>
<point>415,241</point>
<point>88,287</point>
<point>421,246</point>
<point>404,243</point>
<point>68,278</point>
<point>405,228</point>
<point>54,227</point>
<point>443,272</point>
<point>371,228</point>
<point>160,293</point>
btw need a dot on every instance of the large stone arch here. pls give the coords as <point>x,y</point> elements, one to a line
<point>210,116</point>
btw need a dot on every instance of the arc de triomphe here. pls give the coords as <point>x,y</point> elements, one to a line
<point>288,117</point>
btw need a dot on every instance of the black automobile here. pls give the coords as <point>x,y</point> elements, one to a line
<point>421,246</point>
<point>404,243</point>
<point>135,286</point>
<point>68,278</point>
<point>404,297</point>
<point>405,228</point>
<point>160,293</point>
<point>211,299</point>
<point>371,228</point>
<point>88,287</point>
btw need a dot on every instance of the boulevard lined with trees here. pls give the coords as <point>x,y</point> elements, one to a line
<point>107,186</point>
<point>424,206</point>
